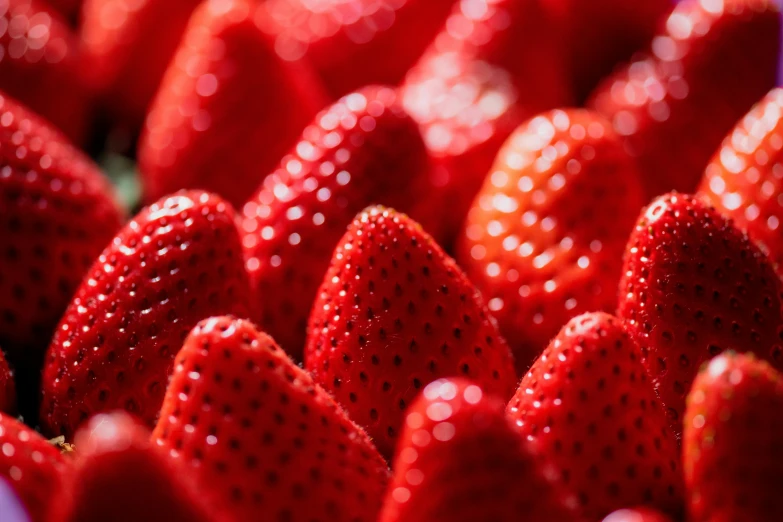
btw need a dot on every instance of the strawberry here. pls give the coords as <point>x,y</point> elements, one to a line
<point>731,449</point>
<point>57,212</point>
<point>545,236</point>
<point>495,63</point>
<point>693,286</point>
<point>33,468</point>
<point>260,438</point>
<point>119,475</point>
<point>589,408</point>
<point>363,149</point>
<point>744,180</point>
<point>69,9</point>
<point>394,312</point>
<point>245,108</point>
<point>127,47</point>
<point>637,515</point>
<point>352,43</point>
<point>675,104</point>
<point>41,64</point>
<point>7,389</point>
<point>459,459</point>
<point>177,262</point>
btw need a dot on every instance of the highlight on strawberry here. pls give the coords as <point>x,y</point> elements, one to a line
<point>391,260</point>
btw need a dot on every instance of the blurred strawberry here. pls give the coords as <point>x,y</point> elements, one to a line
<point>31,466</point>
<point>40,65</point>
<point>244,108</point>
<point>693,286</point>
<point>495,63</point>
<point>674,106</point>
<point>545,237</point>
<point>364,149</point>
<point>459,460</point>
<point>128,44</point>
<point>177,262</point>
<point>352,43</point>
<point>637,515</point>
<point>120,476</point>
<point>7,389</point>
<point>588,406</point>
<point>69,9</point>
<point>744,180</point>
<point>732,454</point>
<point>260,438</point>
<point>393,313</point>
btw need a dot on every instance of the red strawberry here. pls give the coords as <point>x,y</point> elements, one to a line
<point>57,212</point>
<point>588,406</point>
<point>732,455</point>
<point>545,236</point>
<point>32,467</point>
<point>494,63</point>
<point>744,180</point>
<point>673,107</point>
<point>7,389</point>
<point>119,475</point>
<point>128,45</point>
<point>228,108</point>
<point>69,9</point>
<point>637,515</point>
<point>40,64</point>
<point>693,286</point>
<point>260,438</point>
<point>459,459</point>
<point>177,262</point>
<point>352,43</point>
<point>364,149</point>
<point>394,312</point>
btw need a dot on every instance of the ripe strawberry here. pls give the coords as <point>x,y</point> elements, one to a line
<point>41,65</point>
<point>693,286</point>
<point>128,45</point>
<point>637,515</point>
<point>364,149</point>
<point>495,63</point>
<point>588,406</point>
<point>352,43</point>
<point>545,236</point>
<point>119,475</point>
<point>177,262</point>
<point>675,105</point>
<point>57,212</point>
<point>744,180</point>
<point>245,108</point>
<point>731,450</point>
<point>394,312</point>
<point>31,466</point>
<point>459,459</point>
<point>260,438</point>
<point>7,389</point>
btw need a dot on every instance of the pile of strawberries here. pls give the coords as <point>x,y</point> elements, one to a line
<point>362,222</point>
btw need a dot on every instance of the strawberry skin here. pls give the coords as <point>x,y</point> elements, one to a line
<point>673,106</point>
<point>33,468</point>
<point>177,262</point>
<point>544,238</point>
<point>587,406</point>
<point>356,42</point>
<point>41,65</point>
<point>7,388</point>
<point>693,286</point>
<point>120,475</point>
<point>459,459</point>
<point>637,515</point>
<point>364,149</point>
<point>127,47</point>
<point>245,108</point>
<point>260,438</point>
<point>744,180</point>
<point>393,313</point>
<point>731,448</point>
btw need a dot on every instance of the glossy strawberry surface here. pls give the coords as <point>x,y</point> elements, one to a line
<point>637,515</point>
<point>259,437</point>
<point>177,262</point>
<point>544,238</point>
